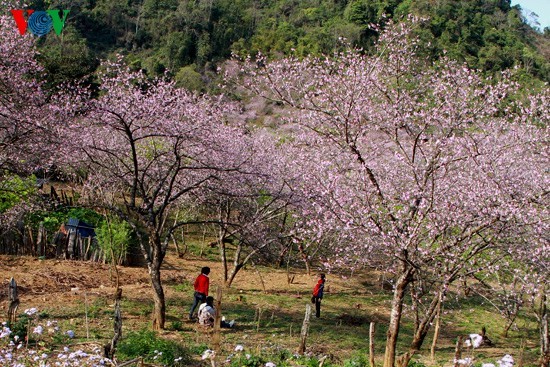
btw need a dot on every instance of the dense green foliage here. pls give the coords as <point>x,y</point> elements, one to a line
<point>113,236</point>
<point>190,38</point>
<point>146,344</point>
<point>14,189</point>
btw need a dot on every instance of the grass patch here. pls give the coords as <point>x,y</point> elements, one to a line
<point>146,344</point>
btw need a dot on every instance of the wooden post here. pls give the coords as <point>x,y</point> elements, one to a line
<point>216,337</point>
<point>259,314</point>
<point>40,239</point>
<point>305,329</point>
<point>13,300</point>
<point>110,348</point>
<point>371,344</point>
<point>69,251</point>
<point>81,248</point>
<point>31,249</point>
<point>458,350</point>
<point>437,327</point>
<point>86,254</point>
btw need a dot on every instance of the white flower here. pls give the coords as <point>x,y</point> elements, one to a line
<point>464,361</point>
<point>239,348</point>
<point>209,353</point>
<point>506,361</point>
<point>5,332</point>
<point>31,311</point>
<point>70,333</point>
<point>38,330</point>
<point>270,364</point>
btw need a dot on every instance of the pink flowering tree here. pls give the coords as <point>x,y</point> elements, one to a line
<point>146,148</point>
<point>426,170</point>
<point>21,96</point>
<point>28,123</point>
<point>25,119</point>
<point>251,211</point>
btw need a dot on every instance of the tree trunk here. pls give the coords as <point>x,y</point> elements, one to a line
<point>305,258</point>
<point>237,265</point>
<point>223,258</point>
<point>396,312</point>
<point>424,324</point>
<point>544,331</point>
<point>159,310</point>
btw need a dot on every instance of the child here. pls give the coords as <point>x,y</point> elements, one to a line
<point>207,314</point>
<point>318,294</point>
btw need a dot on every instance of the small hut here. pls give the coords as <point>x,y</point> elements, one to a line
<point>70,239</point>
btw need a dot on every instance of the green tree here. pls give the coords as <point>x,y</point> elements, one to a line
<point>188,78</point>
<point>15,189</point>
<point>66,57</point>
<point>113,236</point>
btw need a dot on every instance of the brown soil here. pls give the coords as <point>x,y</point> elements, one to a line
<point>50,282</point>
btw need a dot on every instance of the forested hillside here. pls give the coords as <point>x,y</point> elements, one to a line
<point>190,38</point>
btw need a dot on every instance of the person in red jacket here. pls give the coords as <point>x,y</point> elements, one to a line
<point>318,294</point>
<point>201,290</point>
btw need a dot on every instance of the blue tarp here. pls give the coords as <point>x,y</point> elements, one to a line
<point>82,228</point>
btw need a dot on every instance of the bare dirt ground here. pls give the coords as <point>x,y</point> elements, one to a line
<point>50,282</point>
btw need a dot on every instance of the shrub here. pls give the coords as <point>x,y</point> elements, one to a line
<point>113,236</point>
<point>146,344</point>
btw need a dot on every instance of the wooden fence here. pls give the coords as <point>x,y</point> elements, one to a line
<point>23,240</point>
<point>26,241</point>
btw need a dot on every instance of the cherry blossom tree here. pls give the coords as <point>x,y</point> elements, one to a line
<point>28,124</point>
<point>149,146</point>
<point>251,211</point>
<point>423,169</point>
<point>24,115</point>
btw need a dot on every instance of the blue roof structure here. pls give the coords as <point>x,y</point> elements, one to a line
<point>82,228</point>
